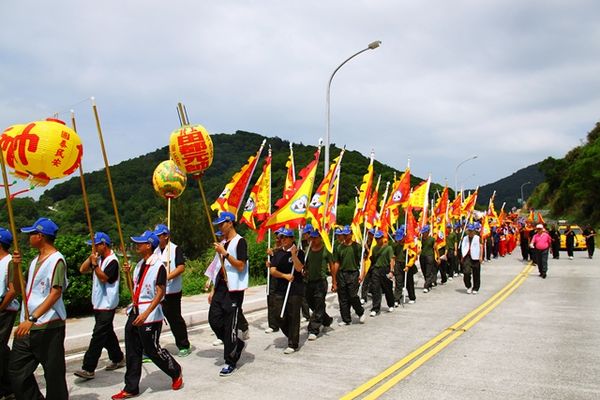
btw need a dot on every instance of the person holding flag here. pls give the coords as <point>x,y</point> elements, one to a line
<point>271,306</point>
<point>319,261</point>
<point>472,256</point>
<point>382,275</point>
<point>287,266</point>
<point>451,252</point>
<point>427,259</point>
<point>346,260</point>
<point>403,273</point>
<point>9,306</point>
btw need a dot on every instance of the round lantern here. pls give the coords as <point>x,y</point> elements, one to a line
<point>168,180</point>
<point>191,148</point>
<point>6,143</point>
<point>43,150</point>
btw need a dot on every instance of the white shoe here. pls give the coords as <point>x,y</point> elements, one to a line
<point>373,314</point>
<point>362,301</point>
<point>217,342</point>
<point>449,278</point>
<point>396,304</point>
<point>455,274</point>
<point>312,337</point>
<point>425,290</point>
<point>289,350</point>
<point>303,319</point>
<point>470,290</point>
<point>269,330</point>
<point>570,258</point>
<point>390,309</point>
<point>246,334</point>
<point>411,302</point>
<point>362,318</point>
<point>475,292</point>
<point>342,323</point>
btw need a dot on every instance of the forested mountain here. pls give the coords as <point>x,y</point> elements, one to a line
<point>140,208</point>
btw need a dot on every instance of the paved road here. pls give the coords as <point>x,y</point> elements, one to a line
<point>541,342</point>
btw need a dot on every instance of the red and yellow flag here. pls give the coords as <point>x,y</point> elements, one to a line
<point>469,204</point>
<point>231,197</point>
<point>411,240</point>
<point>290,176</point>
<point>363,197</point>
<point>540,219</point>
<point>455,208</point>
<point>419,197</point>
<point>258,205</point>
<point>371,216</point>
<point>293,212</point>
<point>486,231</point>
<point>400,191</point>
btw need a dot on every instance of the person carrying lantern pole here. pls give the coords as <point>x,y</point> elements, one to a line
<point>40,339</point>
<point>103,264</point>
<point>9,306</point>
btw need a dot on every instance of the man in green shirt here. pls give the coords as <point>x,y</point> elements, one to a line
<point>319,261</point>
<point>346,260</point>
<point>400,271</point>
<point>39,339</point>
<point>382,274</point>
<point>427,259</point>
<point>451,243</point>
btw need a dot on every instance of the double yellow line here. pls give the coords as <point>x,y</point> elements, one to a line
<point>435,345</point>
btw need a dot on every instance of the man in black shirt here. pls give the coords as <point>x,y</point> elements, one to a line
<point>287,266</point>
<point>104,266</point>
<point>590,241</point>
<point>227,295</point>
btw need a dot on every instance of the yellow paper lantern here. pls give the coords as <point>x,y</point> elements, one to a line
<point>191,148</point>
<point>168,180</point>
<point>43,150</point>
<point>6,142</point>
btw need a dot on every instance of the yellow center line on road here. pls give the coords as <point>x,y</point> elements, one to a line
<point>438,343</point>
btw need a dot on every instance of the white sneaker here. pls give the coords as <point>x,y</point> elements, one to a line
<point>342,323</point>
<point>289,350</point>
<point>303,319</point>
<point>449,278</point>
<point>362,318</point>
<point>570,258</point>
<point>390,309</point>
<point>475,292</point>
<point>362,301</point>
<point>470,290</point>
<point>269,330</point>
<point>246,334</point>
<point>217,342</point>
<point>425,290</point>
<point>373,314</point>
<point>411,302</point>
<point>312,337</point>
<point>396,304</point>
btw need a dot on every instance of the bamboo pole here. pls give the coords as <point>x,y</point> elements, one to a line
<point>86,203</point>
<point>112,195</point>
<point>13,229</point>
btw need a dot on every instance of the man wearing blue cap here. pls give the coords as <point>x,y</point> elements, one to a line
<point>383,271</point>
<point>305,242</point>
<point>145,318</point>
<point>174,262</point>
<point>40,339</point>
<point>104,267</point>
<point>227,295</point>
<point>472,256</point>
<point>8,308</point>
<point>319,262</point>
<point>271,306</point>
<point>427,260</point>
<point>400,270</point>
<point>287,267</point>
<point>346,260</point>
<point>451,244</point>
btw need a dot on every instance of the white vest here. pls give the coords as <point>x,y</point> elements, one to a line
<point>38,288</point>
<point>105,296</point>
<point>475,251</point>
<point>236,280</point>
<point>147,288</point>
<point>173,285</point>
<point>4,265</point>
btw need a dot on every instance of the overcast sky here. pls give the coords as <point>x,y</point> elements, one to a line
<point>510,81</point>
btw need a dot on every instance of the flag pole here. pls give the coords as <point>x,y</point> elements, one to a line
<point>289,286</point>
<point>11,219</point>
<point>269,234</point>
<point>112,194</point>
<point>404,289</point>
<point>86,204</point>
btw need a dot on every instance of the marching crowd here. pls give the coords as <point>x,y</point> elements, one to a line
<point>297,289</point>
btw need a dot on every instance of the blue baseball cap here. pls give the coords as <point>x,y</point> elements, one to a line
<point>308,229</point>
<point>315,233</point>
<point>224,217</point>
<point>146,237</point>
<point>278,231</point>
<point>378,234</point>
<point>161,229</point>
<point>337,231</point>
<point>425,229</point>
<point>287,232</point>
<point>100,237</point>
<point>43,225</point>
<point>346,230</point>
<point>371,231</point>
<point>471,227</point>
<point>456,225</point>
<point>400,233</point>
<point>5,236</point>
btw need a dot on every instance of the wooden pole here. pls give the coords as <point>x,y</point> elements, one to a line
<point>112,194</point>
<point>13,229</point>
<point>86,203</point>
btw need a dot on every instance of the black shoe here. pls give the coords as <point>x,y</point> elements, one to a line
<point>543,276</point>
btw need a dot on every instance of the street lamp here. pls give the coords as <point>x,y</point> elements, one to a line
<point>522,198</point>
<point>456,172</point>
<point>371,46</point>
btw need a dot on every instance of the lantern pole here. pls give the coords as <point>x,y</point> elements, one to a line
<point>11,218</point>
<point>112,194</point>
<point>86,203</point>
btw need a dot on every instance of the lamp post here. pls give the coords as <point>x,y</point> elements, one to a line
<point>371,46</point>
<point>522,198</point>
<point>456,172</point>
